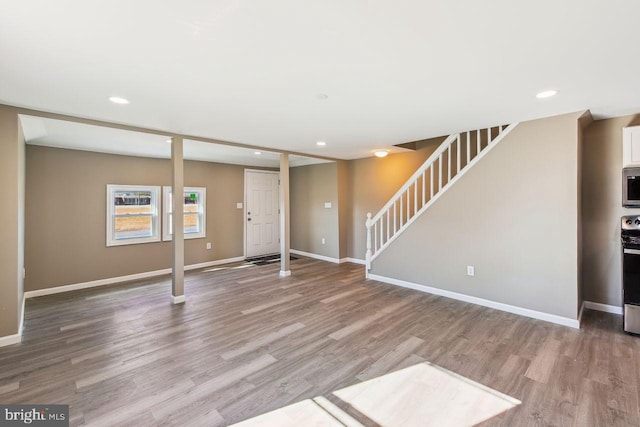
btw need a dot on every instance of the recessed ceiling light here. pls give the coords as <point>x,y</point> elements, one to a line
<point>546,94</point>
<point>257,153</point>
<point>118,100</point>
<point>322,96</point>
<point>321,143</point>
<point>381,153</point>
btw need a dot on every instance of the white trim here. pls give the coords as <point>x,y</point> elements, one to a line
<point>285,273</point>
<point>213,263</point>
<point>10,340</point>
<point>121,279</point>
<point>15,338</point>
<point>328,259</point>
<point>166,205</point>
<point>180,299</point>
<point>156,194</point>
<point>580,313</point>
<point>316,256</point>
<point>21,327</point>
<point>432,158</point>
<point>353,260</point>
<point>603,307</point>
<point>560,320</point>
<point>96,283</point>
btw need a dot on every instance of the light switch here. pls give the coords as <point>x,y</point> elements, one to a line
<point>327,205</point>
<point>238,205</point>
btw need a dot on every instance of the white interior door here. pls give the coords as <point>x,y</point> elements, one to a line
<point>262,218</point>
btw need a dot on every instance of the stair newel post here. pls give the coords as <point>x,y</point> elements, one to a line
<point>369,224</point>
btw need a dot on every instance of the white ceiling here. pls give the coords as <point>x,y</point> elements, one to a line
<point>76,136</point>
<point>250,71</point>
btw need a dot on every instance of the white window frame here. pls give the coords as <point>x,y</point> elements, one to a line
<point>111,215</point>
<point>166,213</point>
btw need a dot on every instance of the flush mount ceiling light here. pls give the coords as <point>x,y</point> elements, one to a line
<point>321,143</point>
<point>546,94</point>
<point>118,100</point>
<point>257,153</point>
<point>381,153</point>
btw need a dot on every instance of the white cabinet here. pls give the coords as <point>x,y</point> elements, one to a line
<point>631,147</point>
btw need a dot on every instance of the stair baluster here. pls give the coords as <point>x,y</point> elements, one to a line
<point>375,224</point>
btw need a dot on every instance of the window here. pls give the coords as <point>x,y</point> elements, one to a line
<point>195,224</point>
<point>132,214</point>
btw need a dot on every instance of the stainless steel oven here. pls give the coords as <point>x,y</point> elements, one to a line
<point>630,236</point>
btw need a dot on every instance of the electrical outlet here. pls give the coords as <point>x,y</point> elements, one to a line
<point>471,271</point>
<point>323,241</point>
<point>208,245</point>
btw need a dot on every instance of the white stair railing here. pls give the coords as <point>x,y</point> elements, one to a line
<point>452,159</point>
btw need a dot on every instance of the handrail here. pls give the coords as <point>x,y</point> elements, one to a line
<point>416,175</point>
<point>405,206</point>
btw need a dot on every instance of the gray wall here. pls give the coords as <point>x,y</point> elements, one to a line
<point>12,220</point>
<point>65,234</point>
<point>513,216</point>
<point>310,187</point>
<point>602,209</point>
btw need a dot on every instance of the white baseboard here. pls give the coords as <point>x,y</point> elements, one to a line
<point>96,283</point>
<point>315,256</point>
<point>573,323</point>
<point>10,340</point>
<point>213,263</point>
<point>121,279</point>
<point>603,307</point>
<point>15,338</point>
<point>328,259</point>
<point>354,260</point>
<point>177,300</point>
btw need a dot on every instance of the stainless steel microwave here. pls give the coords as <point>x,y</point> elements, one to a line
<point>631,187</point>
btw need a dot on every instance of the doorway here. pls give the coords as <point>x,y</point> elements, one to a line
<point>262,216</point>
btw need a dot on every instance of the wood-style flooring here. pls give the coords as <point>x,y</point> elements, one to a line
<point>248,341</point>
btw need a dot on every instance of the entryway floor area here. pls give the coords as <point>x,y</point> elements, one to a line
<point>247,342</point>
<point>267,259</point>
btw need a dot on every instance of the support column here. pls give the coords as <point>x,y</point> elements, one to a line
<point>177,221</point>
<point>12,227</point>
<point>285,238</point>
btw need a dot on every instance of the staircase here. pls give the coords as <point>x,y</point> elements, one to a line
<point>453,158</point>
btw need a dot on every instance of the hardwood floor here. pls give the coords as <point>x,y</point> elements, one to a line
<point>248,341</point>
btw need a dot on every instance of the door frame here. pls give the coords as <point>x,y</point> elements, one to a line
<point>244,205</point>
